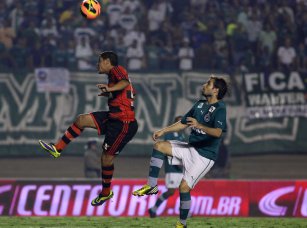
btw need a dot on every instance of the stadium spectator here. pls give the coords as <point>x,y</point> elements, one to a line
<point>121,49</point>
<point>49,19</point>
<point>242,17</point>
<point>7,34</point>
<point>31,33</point>
<point>135,57</point>
<point>48,48</point>
<point>35,58</point>
<point>154,50</point>
<point>133,5</point>
<point>239,44</point>
<point>114,11</point>
<point>253,29</point>
<point>16,16</point>
<point>20,52</point>
<point>205,57</point>
<point>155,17</point>
<point>286,56</point>
<point>186,56</point>
<point>127,20</point>
<point>168,56</point>
<point>49,30</point>
<point>84,52</point>
<point>71,58</point>
<point>84,31</point>
<point>60,55</point>
<point>268,38</point>
<point>135,35</point>
<point>92,166</point>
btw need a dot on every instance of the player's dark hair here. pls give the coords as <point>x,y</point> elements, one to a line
<point>221,84</point>
<point>110,55</point>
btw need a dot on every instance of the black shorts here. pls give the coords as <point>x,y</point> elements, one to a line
<point>117,133</point>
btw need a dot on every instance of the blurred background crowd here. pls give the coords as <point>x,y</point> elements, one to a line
<point>216,35</point>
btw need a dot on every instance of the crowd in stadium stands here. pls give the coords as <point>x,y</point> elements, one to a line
<point>215,35</point>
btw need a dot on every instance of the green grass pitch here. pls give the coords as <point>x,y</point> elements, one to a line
<point>162,222</point>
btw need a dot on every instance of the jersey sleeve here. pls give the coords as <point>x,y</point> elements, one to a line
<point>120,73</point>
<point>189,114</point>
<point>220,119</point>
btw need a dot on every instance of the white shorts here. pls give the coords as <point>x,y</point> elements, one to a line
<point>173,180</point>
<point>194,165</point>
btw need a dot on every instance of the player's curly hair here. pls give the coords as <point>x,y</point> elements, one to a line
<point>222,85</point>
<point>110,55</point>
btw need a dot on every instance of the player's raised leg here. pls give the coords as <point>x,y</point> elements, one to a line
<point>74,130</point>
<point>157,157</point>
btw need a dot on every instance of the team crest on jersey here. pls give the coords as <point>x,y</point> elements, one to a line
<point>211,109</point>
<point>207,117</point>
<point>200,105</point>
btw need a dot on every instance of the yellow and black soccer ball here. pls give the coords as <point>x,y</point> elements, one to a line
<point>90,9</point>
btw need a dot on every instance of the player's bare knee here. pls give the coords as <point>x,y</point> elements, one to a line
<point>184,187</point>
<point>107,160</point>
<point>161,146</point>
<point>157,146</point>
<point>79,121</point>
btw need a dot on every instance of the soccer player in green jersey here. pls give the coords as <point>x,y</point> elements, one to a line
<point>207,119</point>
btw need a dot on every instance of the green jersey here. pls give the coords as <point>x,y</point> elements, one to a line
<point>210,115</point>
<point>168,167</point>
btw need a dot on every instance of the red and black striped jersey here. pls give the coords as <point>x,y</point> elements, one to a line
<point>121,102</point>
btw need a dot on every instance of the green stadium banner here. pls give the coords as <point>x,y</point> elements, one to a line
<point>27,115</point>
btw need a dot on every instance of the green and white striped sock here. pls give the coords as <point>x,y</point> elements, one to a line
<point>185,204</point>
<point>156,163</point>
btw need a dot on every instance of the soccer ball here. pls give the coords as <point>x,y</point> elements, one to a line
<point>90,9</point>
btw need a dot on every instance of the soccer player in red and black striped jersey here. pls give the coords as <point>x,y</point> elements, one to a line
<point>118,124</point>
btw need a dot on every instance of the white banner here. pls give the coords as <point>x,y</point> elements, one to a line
<point>52,80</point>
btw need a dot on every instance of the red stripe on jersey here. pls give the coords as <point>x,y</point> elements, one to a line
<point>119,72</point>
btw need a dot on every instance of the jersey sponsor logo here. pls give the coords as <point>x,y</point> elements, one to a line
<point>211,109</point>
<point>220,122</point>
<point>198,131</point>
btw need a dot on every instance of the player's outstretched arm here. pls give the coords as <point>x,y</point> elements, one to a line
<point>178,126</point>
